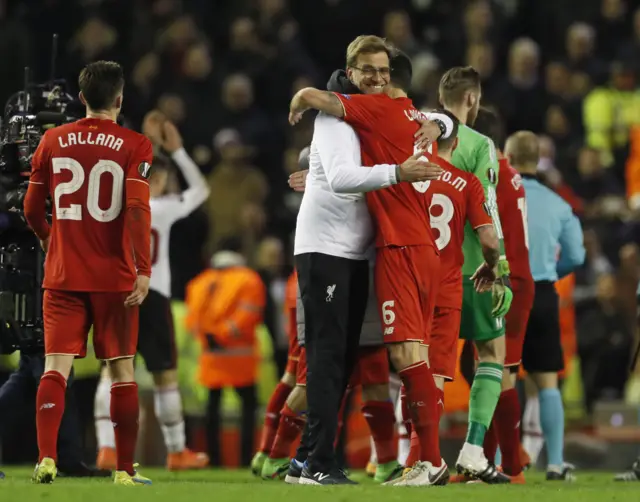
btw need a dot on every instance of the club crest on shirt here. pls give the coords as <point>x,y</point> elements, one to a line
<point>144,169</point>
<point>491,174</point>
<point>516,181</point>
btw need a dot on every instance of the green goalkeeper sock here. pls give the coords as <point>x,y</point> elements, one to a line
<point>485,393</point>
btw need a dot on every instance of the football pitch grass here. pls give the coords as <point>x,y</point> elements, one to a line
<point>241,486</point>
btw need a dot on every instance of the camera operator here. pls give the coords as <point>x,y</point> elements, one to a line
<point>19,392</point>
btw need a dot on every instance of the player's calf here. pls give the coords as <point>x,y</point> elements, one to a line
<point>292,421</point>
<point>124,412</point>
<point>50,402</point>
<point>422,396</point>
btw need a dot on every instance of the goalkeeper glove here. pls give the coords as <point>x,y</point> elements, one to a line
<point>502,296</point>
<point>503,267</point>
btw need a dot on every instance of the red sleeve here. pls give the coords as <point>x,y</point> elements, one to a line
<point>138,212</point>
<point>37,192</point>
<point>477,210</point>
<point>359,109</point>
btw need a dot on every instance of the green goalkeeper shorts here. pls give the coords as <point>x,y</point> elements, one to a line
<point>477,323</point>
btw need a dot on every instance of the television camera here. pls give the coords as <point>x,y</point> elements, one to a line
<point>27,115</point>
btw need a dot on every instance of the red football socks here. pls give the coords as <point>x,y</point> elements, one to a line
<point>272,416</point>
<point>507,425</point>
<point>406,415</point>
<point>490,445</point>
<point>124,415</point>
<point>382,420</point>
<point>440,403</point>
<point>414,450</point>
<point>289,428</point>
<point>422,395</point>
<point>49,410</point>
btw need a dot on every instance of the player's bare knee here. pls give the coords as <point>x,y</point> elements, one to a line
<point>375,392</point>
<point>60,363</point>
<point>509,376</point>
<point>545,380</point>
<point>492,351</point>
<point>121,370</point>
<point>404,354</point>
<point>165,378</point>
<point>289,379</point>
<point>297,400</point>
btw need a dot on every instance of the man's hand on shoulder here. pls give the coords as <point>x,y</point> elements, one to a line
<point>139,293</point>
<point>416,168</point>
<point>298,180</point>
<point>297,107</point>
<point>311,98</point>
<point>428,134</point>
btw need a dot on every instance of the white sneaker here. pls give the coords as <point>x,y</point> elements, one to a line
<point>478,467</point>
<point>425,474</point>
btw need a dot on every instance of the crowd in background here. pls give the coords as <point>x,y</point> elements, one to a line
<point>224,71</point>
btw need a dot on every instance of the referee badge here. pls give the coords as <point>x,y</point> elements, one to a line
<point>144,169</point>
<point>491,174</point>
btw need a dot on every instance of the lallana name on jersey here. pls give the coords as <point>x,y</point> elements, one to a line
<point>88,138</point>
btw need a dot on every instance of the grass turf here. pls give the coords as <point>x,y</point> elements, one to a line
<point>241,486</point>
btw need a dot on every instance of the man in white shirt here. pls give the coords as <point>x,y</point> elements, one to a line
<point>156,341</point>
<point>333,235</point>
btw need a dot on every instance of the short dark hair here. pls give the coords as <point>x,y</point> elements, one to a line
<point>456,82</point>
<point>230,243</point>
<point>446,143</point>
<point>488,123</point>
<point>100,83</point>
<point>401,69</point>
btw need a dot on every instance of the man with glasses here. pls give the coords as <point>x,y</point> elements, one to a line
<point>333,234</point>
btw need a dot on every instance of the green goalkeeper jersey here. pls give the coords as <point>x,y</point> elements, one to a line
<point>476,154</point>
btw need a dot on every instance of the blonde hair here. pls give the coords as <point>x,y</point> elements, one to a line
<point>524,148</point>
<point>365,44</point>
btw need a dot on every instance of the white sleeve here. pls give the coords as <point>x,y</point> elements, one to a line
<point>197,187</point>
<point>444,119</point>
<point>339,150</point>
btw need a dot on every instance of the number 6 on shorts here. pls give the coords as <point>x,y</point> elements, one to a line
<point>388,315</point>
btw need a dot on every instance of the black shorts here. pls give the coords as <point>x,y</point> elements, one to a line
<point>542,349</point>
<point>156,338</point>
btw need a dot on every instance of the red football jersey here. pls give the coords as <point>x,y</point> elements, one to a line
<point>386,129</point>
<point>92,169</point>
<point>458,197</point>
<point>512,207</point>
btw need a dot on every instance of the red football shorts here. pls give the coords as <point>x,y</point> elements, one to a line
<point>301,372</point>
<point>69,315</point>
<point>443,349</point>
<point>372,367</point>
<point>517,319</point>
<point>406,283</point>
<point>293,356</point>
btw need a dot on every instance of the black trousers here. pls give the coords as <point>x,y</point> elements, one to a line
<point>248,397</point>
<point>19,394</point>
<point>334,294</point>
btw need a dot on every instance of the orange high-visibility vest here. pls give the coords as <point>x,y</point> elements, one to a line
<point>565,287</point>
<point>632,172</point>
<point>226,306</point>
